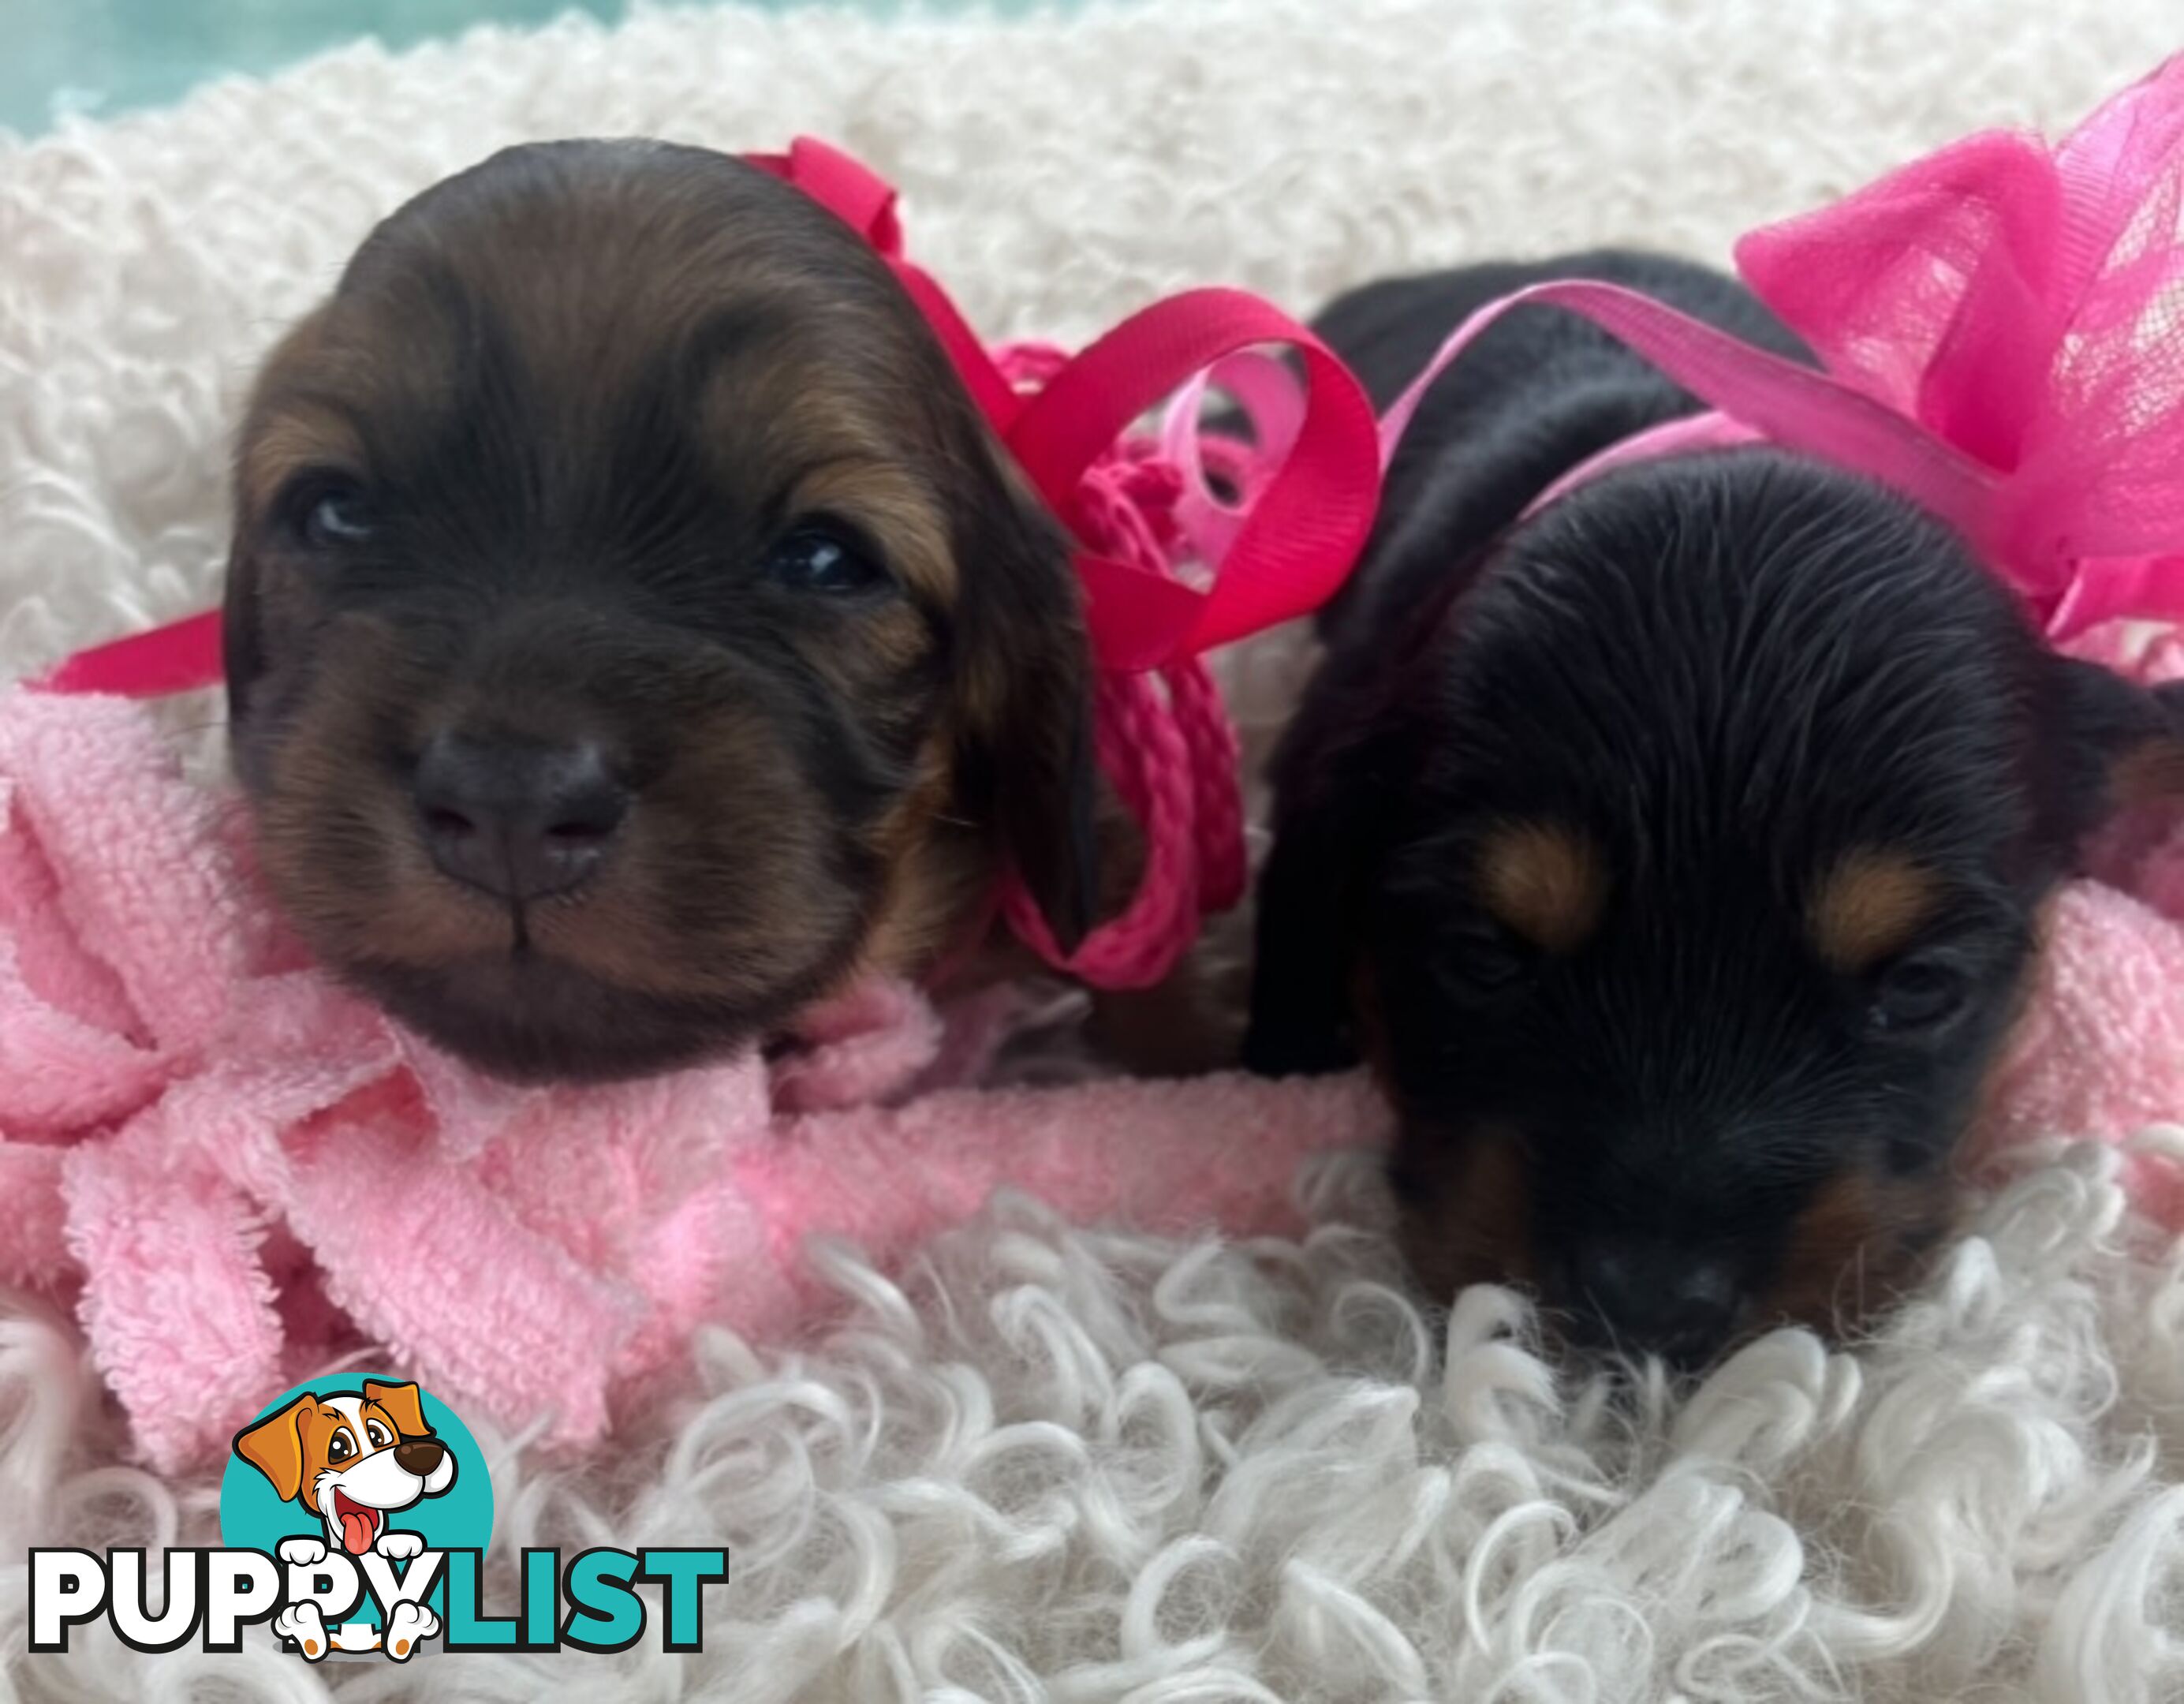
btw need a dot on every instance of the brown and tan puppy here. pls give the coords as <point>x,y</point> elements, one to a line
<point>633,629</point>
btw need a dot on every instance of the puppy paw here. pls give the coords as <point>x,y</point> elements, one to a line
<point>406,1624</point>
<point>303,1553</point>
<point>301,1623</point>
<point>399,1547</point>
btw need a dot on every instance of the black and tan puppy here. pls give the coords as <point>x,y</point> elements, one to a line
<point>1677,856</point>
<point>633,629</point>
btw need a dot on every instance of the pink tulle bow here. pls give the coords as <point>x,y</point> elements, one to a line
<point>2023,302</point>
<point>2002,325</point>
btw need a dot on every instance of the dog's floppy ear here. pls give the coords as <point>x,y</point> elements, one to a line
<point>243,647</point>
<point>275,1446</point>
<point>1025,758</point>
<point>243,655</point>
<point>1302,1023</point>
<point>1336,776</point>
<point>2116,745</point>
<point>243,644</point>
<point>402,1403</point>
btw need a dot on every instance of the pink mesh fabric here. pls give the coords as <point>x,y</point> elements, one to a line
<point>2023,302</point>
<point>2002,326</point>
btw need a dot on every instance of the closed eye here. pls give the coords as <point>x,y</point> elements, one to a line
<point>1968,959</point>
<point>1478,962</point>
<point>1919,994</point>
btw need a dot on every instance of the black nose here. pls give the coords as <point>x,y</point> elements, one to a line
<point>516,819</point>
<point>419,1455</point>
<point>1647,1297</point>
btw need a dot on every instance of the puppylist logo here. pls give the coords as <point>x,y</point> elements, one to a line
<point>354,1519</point>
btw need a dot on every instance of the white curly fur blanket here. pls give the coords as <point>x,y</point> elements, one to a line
<point>1051,1463</point>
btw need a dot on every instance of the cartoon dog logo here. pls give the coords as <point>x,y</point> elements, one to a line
<point>352,1459</point>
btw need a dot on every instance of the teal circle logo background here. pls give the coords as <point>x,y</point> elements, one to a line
<point>252,1516</point>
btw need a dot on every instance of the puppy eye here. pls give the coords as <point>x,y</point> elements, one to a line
<point>1917,996</point>
<point>340,1447</point>
<point>820,559</point>
<point>377,1435</point>
<point>1481,963</point>
<point>331,514</point>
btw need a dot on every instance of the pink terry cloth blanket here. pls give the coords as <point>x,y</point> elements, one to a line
<point>2101,1049</point>
<point>233,1170</point>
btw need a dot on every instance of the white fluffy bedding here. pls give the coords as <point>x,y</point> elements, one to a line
<point>1089,1465</point>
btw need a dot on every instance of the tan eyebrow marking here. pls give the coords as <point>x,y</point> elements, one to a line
<point>1546,882</point>
<point>1868,906</point>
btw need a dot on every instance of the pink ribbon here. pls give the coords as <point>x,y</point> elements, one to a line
<point>2002,325</point>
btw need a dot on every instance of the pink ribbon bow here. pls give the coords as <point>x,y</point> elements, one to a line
<point>2025,304</point>
<point>1168,569</point>
<point>2002,329</point>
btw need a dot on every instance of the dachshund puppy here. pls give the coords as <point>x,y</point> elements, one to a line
<point>633,629</point>
<point>1676,856</point>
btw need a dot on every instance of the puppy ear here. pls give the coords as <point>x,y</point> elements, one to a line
<point>254,484</point>
<point>2116,743</point>
<point>243,661</point>
<point>1342,776</point>
<point>275,1446</point>
<point>1335,778</point>
<point>402,1404</point>
<point>1025,760</point>
<point>242,658</point>
<point>1302,1024</point>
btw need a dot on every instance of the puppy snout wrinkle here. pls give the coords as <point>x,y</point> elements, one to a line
<point>518,819</point>
<point>1650,1296</point>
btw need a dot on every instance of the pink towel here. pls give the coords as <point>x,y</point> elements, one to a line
<point>2101,1051</point>
<point>234,1170</point>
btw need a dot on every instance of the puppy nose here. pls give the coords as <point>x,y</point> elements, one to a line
<point>516,819</point>
<point>419,1455</point>
<point>1653,1298</point>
